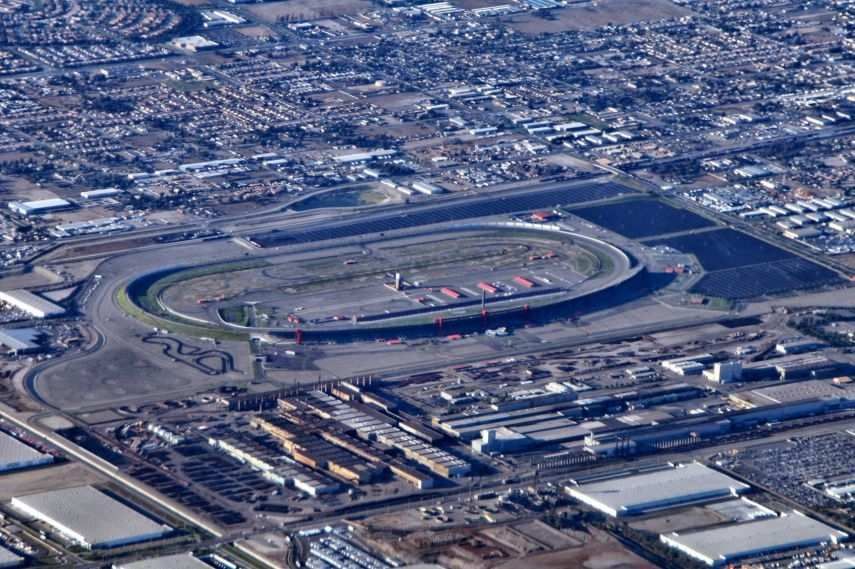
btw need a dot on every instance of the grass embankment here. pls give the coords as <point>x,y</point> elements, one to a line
<point>237,315</point>
<point>140,299</point>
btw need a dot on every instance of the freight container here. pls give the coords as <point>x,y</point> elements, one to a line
<point>487,287</point>
<point>450,292</point>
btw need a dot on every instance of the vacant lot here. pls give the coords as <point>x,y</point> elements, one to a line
<point>588,16</point>
<point>298,10</point>
<point>600,551</point>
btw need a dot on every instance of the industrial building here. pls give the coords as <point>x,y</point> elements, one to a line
<point>39,207</point>
<point>19,341</point>
<point>525,437</point>
<point>90,517</point>
<point>724,372</point>
<point>790,393</point>
<point>467,428</point>
<point>314,451</point>
<point>501,440</point>
<point>792,367</point>
<point>641,374</point>
<point>178,561</point>
<point>427,188</point>
<point>367,156</point>
<point>15,454</point>
<point>194,43</point>
<point>370,427</point>
<point>411,475</point>
<point>274,467</point>
<point>657,490</point>
<point>99,194</point>
<point>689,365</point>
<point>558,417</point>
<point>550,393</point>
<point>32,304</point>
<point>687,431</point>
<point>725,545</point>
<point>791,346</point>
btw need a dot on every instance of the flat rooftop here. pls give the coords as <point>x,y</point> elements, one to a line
<point>28,301</point>
<point>19,338</point>
<point>91,516</point>
<point>9,558</point>
<point>655,490</point>
<point>14,452</point>
<point>792,392</point>
<point>739,541</point>
<point>178,561</point>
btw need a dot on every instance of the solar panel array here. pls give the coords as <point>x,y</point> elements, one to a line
<point>456,210</point>
<point>637,219</point>
<point>741,266</point>
<point>725,249</point>
<point>765,278</point>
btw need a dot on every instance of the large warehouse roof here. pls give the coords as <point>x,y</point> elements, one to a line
<point>31,303</point>
<point>89,516</point>
<point>9,558</point>
<point>655,490</point>
<point>17,454</point>
<point>39,206</point>
<point>20,339</point>
<point>739,541</point>
<point>179,561</point>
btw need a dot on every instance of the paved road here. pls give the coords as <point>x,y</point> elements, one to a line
<point>801,137</point>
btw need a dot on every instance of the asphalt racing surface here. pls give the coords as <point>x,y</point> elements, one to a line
<point>455,210</point>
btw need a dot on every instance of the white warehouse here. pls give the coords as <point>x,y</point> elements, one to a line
<point>725,545</point>
<point>32,304</point>
<point>657,490</point>
<point>15,454</point>
<point>89,517</point>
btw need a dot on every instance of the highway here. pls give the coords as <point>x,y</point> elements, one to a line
<point>801,137</point>
<point>277,217</point>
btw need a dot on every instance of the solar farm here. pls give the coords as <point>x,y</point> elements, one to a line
<point>637,219</point>
<point>737,265</point>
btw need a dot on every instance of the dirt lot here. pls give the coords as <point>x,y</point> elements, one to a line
<point>44,479</point>
<point>679,521</point>
<point>307,9</point>
<point>257,32</point>
<point>601,552</point>
<point>588,17</point>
